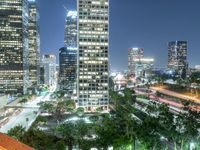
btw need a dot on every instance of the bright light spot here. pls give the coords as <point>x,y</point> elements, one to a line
<point>72,14</point>
<point>192,146</point>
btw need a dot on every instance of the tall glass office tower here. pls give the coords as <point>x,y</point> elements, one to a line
<point>177,57</point>
<point>68,55</point>
<point>34,43</point>
<point>67,73</point>
<point>14,68</point>
<point>71,29</point>
<point>134,54</point>
<point>93,47</point>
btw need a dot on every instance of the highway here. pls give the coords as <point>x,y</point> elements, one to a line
<point>175,94</point>
<point>169,101</point>
<point>27,116</point>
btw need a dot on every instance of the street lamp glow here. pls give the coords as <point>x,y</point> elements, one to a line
<point>192,145</point>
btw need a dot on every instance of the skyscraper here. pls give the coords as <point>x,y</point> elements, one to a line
<point>93,46</point>
<point>34,43</point>
<point>143,67</point>
<point>14,68</point>
<point>133,55</point>
<point>71,29</point>
<point>67,73</point>
<point>177,57</point>
<point>49,63</point>
<point>68,55</point>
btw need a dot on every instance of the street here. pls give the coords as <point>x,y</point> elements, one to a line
<point>27,116</point>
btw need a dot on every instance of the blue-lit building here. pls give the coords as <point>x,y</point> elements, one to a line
<point>68,55</point>
<point>67,72</point>
<point>34,43</point>
<point>71,29</point>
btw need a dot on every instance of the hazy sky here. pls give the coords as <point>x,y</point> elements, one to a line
<point>149,24</point>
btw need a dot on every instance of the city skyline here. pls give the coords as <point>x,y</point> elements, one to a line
<point>99,74</point>
<point>151,26</point>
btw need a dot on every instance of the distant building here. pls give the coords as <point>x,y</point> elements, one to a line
<point>93,47</point>
<point>14,68</point>
<point>67,73</point>
<point>71,29</point>
<point>41,77</point>
<point>49,63</point>
<point>197,67</point>
<point>120,81</point>
<point>34,43</point>
<point>134,54</point>
<point>177,57</point>
<point>139,67</point>
<point>144,67</point>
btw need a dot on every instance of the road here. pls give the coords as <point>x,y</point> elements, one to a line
<point>168,101</point>
<point>27,116</point>
<point>175,94</point>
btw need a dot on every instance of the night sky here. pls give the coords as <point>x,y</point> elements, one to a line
<point>149,24</point>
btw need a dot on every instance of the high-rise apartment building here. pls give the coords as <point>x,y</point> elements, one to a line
<point>93,47</point>
<point>49,64</point>
<point>134,54</point>
<point>67,70</point>
<point>177,57</point>
<point>34,43</point>
<point>14,68</point>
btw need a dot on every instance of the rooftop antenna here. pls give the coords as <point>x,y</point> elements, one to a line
<point>65,8</point>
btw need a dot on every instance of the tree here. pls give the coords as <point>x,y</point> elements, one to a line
<point>80,111</point>
<point>60,145</point>
<point>17,132</point>
<point>23,100</point>
<point>67,132</point>
<point>63,106</point>
<point>190,125</point>
<point>38,139</point>
<point>81,131</point>
<point>122,120</point>
<point>106,132</point>
<point>47,106</point>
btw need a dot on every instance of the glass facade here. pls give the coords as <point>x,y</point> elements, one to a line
<point>14,68</point>
<point>68,55</point>
<point>133,55</point>
<point>71,29</point>
<point>177,56</point>
<point>144,67</point>
<point>67,73</point>
<point>34,43</point>
<point>93,46</point>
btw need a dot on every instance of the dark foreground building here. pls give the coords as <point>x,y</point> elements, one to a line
<point>67,72</point>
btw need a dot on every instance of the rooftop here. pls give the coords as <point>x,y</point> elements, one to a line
<point>9,143</point>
